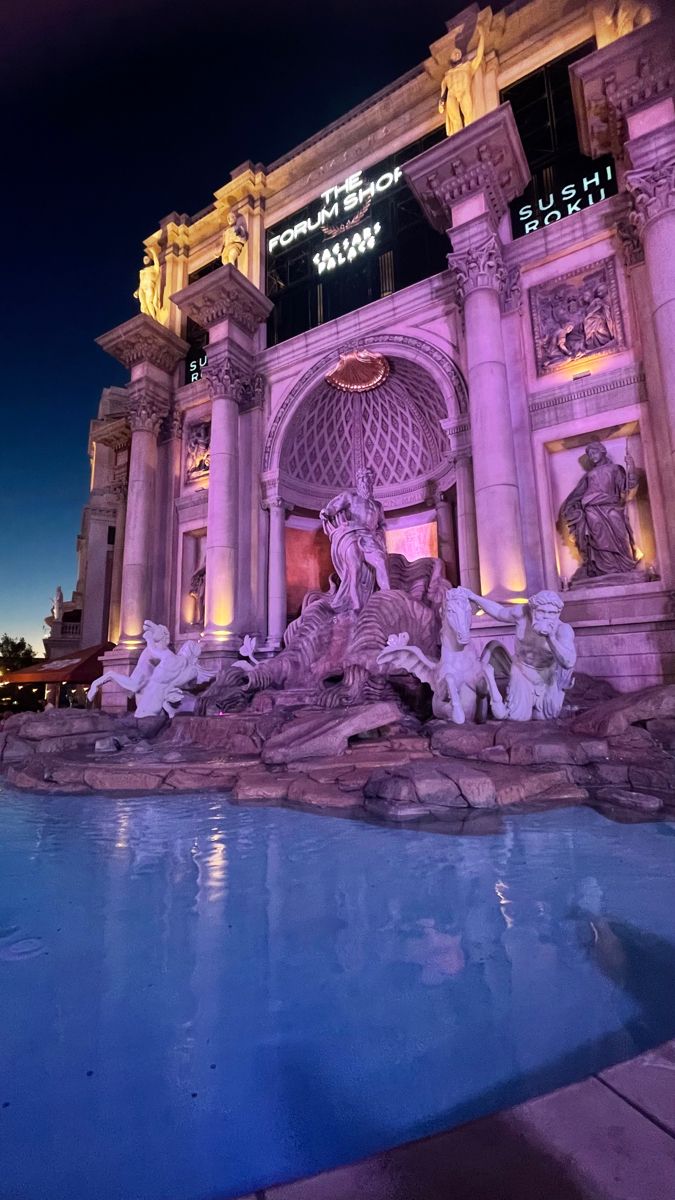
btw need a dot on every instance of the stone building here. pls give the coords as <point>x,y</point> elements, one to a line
<point>461,296</point>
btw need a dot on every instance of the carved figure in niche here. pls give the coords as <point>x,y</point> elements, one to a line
<point>198,453</point>
<point>456,100</point>
<point>460,677</point>
<point>542,665</point>
<point>576,315</point>
<point>160,675</point>
<point>197,591</point>
<point>57,605</point>
<point>595,515</point>
<point>149,290</point>
<point>235,238</point>
<point>354,522</point>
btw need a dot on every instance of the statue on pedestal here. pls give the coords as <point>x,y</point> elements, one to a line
<point>149,290</point>
<point>197,591</point>
<point>596,517</point>
<point>354,522</point>
<point>235,238</point>
<point>456,100</point>
<point>57,605</point>
<point>544,655</point>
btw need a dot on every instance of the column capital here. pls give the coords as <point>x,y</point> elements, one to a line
<point>144,340</point>
<point>147,406</point>
<point>653,192</point>
<point>224,295</point>
<point>478,170</point>
<point>612,86</point>
<point>228,377</point>
<point>272,500</point>
<point>172,425</point>
<point>480,266</point>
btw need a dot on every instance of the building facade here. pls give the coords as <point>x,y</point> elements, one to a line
<point>475,299</point>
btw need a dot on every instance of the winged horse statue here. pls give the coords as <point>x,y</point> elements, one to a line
<point>460,677</point>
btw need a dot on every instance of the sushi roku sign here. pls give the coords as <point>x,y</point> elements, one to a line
<point>566,200</point>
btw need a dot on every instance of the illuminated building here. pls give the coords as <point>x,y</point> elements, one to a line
<point>551,325</point>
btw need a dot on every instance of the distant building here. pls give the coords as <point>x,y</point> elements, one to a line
<point>471,385</point>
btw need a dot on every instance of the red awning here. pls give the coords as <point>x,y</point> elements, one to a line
<point>79,666</point>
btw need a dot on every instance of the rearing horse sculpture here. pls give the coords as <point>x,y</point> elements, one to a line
<point>460,677</point>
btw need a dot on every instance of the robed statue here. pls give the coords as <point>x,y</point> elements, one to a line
<point>354,522</point>
<point>149,290</point>
<point>596,517</point>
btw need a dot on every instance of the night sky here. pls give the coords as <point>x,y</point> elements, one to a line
<point>115,113</point>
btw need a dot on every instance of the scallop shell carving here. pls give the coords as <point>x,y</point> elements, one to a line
<point>358,371</point>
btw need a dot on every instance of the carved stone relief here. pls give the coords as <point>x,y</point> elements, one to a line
<point>198,452</point>
<point>576,315</point>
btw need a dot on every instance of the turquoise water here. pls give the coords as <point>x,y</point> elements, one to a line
<point>197,1000</point>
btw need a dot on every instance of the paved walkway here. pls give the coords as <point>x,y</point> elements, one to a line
<point>611,1137</point>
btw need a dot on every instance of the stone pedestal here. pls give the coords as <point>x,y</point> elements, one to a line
<point>464,185</point>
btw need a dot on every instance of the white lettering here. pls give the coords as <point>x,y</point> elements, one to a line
<point>385,181</point>
<point>299,229</point>
<point>594,179</point>
<point>569,191</point>
<point>273,243</point>
<point>572,208</point>
<point>350,202</point>
<point>286,237</point>
<point>525,212</point>
<point>551,201</point>
<point>531,226</point>
<point>552,216</point>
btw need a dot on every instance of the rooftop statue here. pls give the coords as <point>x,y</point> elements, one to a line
<point>235,238</point>
<point>544,655</point>
<point>354,522</point>
<point>456,100</point>
<point>149,290</point>
<point>627,15</point>
<point>57,604</point>
<point>596,517</point>
<point>160,675</point>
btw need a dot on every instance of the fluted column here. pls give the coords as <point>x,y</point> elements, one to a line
<point>653,190</point>
<point>467,538</point>
<point>480,276</point>
<point>147,407</point>
<point>447,550</point>
<point>276,586</point>
<point>225,383</point>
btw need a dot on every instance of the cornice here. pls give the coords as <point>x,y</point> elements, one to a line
<point>143,340</point>
<point>222,295</point>
<point>486,157</point>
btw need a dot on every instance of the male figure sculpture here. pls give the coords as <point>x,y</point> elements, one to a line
<point>354,522</point>
<point>234,238</point>
<point>595,514</point>
<point>544,655</point>
<point>148,292</point>
<point>456,100</point>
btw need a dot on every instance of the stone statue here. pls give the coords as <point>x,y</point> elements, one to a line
<point>596,517</point>
<point>626,16</point>
<point>460,677</point>
<point>198,452</point>
<point>456,100</point>
<point>542,664</point>
<point>57,605</point>
<point>234,238</point>
<point>354,522</point>
<point>149,290</point>
<point>160,675</point>
<point>576,316</point>
<point>197,591</point>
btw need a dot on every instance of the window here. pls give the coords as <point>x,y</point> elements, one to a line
<point>321,266</point>
<point>563,179</point>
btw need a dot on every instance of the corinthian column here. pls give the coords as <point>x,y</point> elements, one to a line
<point>480,276</point>
<point>277,595</point>
<point>653,191</point>
<point>147,407</point>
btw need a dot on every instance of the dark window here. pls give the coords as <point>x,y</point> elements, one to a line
<point>563,179</point>
<point>196,357</point>
<point>111,535</point>
<point>406,249</point>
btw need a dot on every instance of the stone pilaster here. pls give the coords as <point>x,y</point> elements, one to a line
<point>464,186</point>
<point>277,594</point>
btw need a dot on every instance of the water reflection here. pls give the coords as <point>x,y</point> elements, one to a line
<point>219,990</point>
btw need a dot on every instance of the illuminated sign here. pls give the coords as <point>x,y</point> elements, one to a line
<point>194,366</point>
<point>343,206</point>
<point>564,201</point>
<point>347,250</point>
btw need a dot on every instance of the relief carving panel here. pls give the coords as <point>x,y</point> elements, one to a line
<point>575,316</point>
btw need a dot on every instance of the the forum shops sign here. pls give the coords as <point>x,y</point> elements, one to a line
<point>341,216</point>
<point>564,201</point>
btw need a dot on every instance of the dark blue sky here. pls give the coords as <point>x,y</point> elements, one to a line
<point>115,113</point>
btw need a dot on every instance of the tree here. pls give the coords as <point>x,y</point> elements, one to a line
<point>15,653</point>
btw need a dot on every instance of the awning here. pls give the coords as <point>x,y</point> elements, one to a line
<point>80,666</point>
